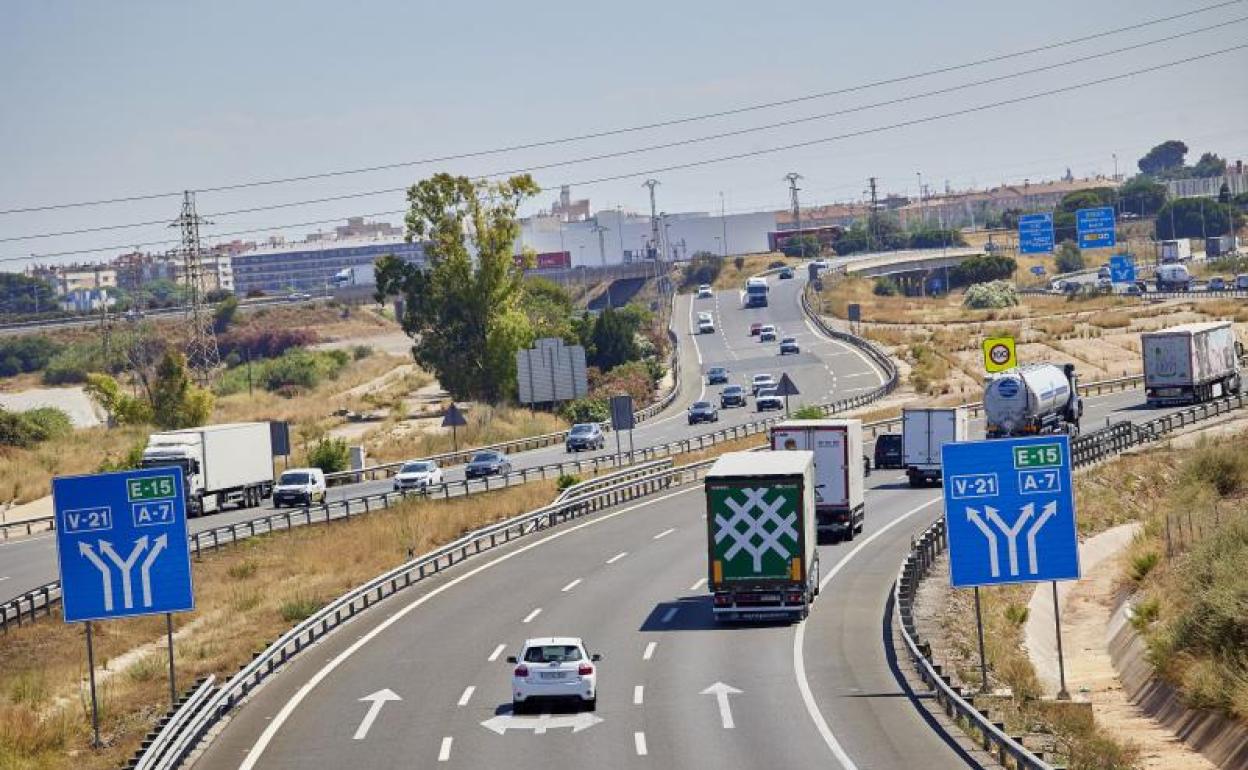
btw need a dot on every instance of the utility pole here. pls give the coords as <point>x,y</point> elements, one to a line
<point>602,255</point>
<point>202,354</point>
<point>723,221</point>
<point>792,178</point>
<point>875,202</point>
<point>922,205</point>
<point>619,228</point>
<point>654,218</point>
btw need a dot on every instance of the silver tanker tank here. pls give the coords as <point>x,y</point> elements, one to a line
<point>1035,398</point>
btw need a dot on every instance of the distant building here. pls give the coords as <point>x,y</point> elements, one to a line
<point>308,266</point>
<point>71,278</point>
<point>86,300</point>
<point>567,210</point>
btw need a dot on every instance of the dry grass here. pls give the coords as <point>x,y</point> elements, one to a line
<point>732,278</point>
<point>246,595</point>
<point>26,474</point>
<point>1111,320</point>
<point>486,425</point>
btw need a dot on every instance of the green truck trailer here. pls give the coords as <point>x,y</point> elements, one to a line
<point>760,519</point>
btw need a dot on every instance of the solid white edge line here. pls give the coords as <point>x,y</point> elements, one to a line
<point>799,661</point>
<point>444,753</point>
<point>497,651</point>
<point>649,653</point>
<point>288,708</point>
<point>467,696</point>
<point>639,742</point>
<point>528,618</point>
<point>570,586</point>
<point>638,694</point>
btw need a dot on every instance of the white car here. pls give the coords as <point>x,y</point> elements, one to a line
<point>706,326</point>
<point>299,486</point>
<point>762,381</point>
<point>767,333</point>
<point>704,291</point>
<point>554,668</point>
<point>704,315</point>
<point>417,474</point>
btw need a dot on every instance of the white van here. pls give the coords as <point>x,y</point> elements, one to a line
<point>299,486</point>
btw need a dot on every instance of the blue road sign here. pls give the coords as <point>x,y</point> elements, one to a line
<point>121,543</point>
<point>1037,270</point>
<point>1122,269</point>
<point>1035,233</point>
<point>1096,227</point>
<point>1010,511</point>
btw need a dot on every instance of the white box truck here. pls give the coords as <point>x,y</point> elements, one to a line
<point>761,554</point>
<point>222,464</point>
<point>1190,363</point>
<point>1176,251</point>
<point>923,433</point>
<point>840,509</point>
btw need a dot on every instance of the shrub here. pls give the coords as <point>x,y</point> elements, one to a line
<point>224,314</point>
<point>288,374</point>
<point>566,480</point>
<point>299,608</point>
<point>739,263</point>
<point>808,412</point>
<point>585,410</point>
<point>129,461</point>
<point>1143,564</point>
<point>242,570</point>
<point>49,422</point>
<point>330,455</point>
<point>885,286</point>
<point>996,294</point>
<point>26,354</point>
<point>634,379</point>
<point>982,269</point>
<point>26,429</point>
<point>704,267</point>
<point>1016,614</point>
<point>265,343</point>
<point>1068,257</point>
<point>360,352</point>
<point>1218,468</point>
<point>72,364</point>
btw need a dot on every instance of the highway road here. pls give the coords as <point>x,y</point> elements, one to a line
<point>823,369</point>
<point>676,690</point>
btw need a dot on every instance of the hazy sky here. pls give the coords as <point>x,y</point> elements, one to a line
<point>102,100</point>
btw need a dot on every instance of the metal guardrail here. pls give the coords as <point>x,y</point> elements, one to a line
<point>28,527</point>
<point>168,740</point>
<point>1085,450</point>
<point>171,746</point>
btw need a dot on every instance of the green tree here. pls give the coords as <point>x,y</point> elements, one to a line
<point>614,340</point>
<point>330,455</point>
<point>703,267</point>
<point>1209,165</point>
<point>121,408</point>
<point>223,314</point>
<point>982,269</point>
<point>176,401</point>
<point>1142,195</point>
<point>1165,157</point>
<point>806,246</point>
<point>886,286</point>
<point>1195,218</point>
<point>549,308</point>
<point>20,294</point>
<point>1068,257</point>
<point>1064,216</point>
<point>464,312</point>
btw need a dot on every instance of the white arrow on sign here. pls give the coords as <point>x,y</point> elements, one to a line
<point>721,692</point>
<point>158,545</point>
<point>377,702</point>
<point>84,548</point>
<point>124,566</point>
<point>540,724</point>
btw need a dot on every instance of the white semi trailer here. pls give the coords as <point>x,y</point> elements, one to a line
<point>1190,363</point>
<point>228,464</point>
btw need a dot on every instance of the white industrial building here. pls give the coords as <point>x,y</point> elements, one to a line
<point>627,236</point>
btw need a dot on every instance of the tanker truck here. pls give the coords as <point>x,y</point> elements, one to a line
<point>1031,399</point>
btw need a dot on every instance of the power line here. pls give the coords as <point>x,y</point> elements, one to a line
<point>673,144</point>
<point>636,128</point>
<point>751,153</point>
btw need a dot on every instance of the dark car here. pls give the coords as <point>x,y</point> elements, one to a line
<point>488,463</point>
<point>703,411</point>
<point>786,273</point>
<point>585,435</point>
<point>716,375</point>
<point>768,398</point>
<point>888,451</point>
<point>733,395</point>
<point>755,328</point>
<point>789,345</point>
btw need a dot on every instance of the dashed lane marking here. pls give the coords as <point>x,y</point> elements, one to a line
<point>528,618</point>
<point>444,753</point>
<point>639,741</point>
<point>665,533</point>
<point>467,696</point>
<point>497,651</point>
<point>638,694</point>
<point>617,557</point>
<point>571,585</point>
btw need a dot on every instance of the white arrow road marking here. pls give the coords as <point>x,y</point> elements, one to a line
<point>649,653</point>
<point>639,742</point>
<point>84,548</point>
<point>444,753</point>
<point>528,618</point>
<point>639,694</point>
<point>497,651</point>
<point>127,592</point>
<point>468,691</point>
<point>571,585</point>
<point>617,557</point>
<point>541,724</point>
<point>376,702</point>
<point>701,582</point>
<point>721,692</point>
<point>158,545</point>
<point>667,616</point>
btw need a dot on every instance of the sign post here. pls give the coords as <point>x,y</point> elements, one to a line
<point>622,419</point>
<point>787,388</point>
<point>1035,233</point>
<point>1010,516</point>
<point>122,548</point>
<point>454,419</point>
<point>1095,228</point>
<point>999,354</point>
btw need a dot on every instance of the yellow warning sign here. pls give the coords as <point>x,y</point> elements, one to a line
<point>999,354</point>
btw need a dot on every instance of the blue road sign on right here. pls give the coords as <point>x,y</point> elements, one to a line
<point>1035,233</point>
<point>1010,511</point>
<point>1095,228</point>
<point>121,544</point>
<point>1121,269</point>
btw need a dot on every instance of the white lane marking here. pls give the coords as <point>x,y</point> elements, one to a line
<point>467,696</point>
<point>570,586</point>
<point>799,661</point>
<point>262,743</point>
<point>638,694</point>
<point>444,753</point>
<point>701,582</point>
<point>639,741</point>
<point>667,616</point>
<point>617,557</point>
<point>665,533</point>
<point>857,374</point>
<point>2,579</point>
<point>497,651</point>
<point>649,653</point>
<point>531,615</point>
<point>376,702</point>
<point>721,692</point>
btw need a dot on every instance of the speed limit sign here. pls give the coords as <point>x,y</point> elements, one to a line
<point>999,354</point>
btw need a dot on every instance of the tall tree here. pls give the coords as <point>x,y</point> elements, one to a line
<point>1196,218</point>
<point>1141,195</point>
<point>22,294</point>
<point>1209,165</point>
<point>1167,156</point>
<point>464,312</point>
